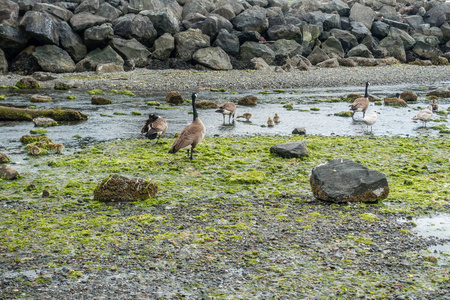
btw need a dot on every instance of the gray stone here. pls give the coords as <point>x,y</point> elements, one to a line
<point>333,48</point>
<point>363,14</point>
<point>13,38</point>
<point>389,12</point>
<point>98,36</point>
<point>331,21</point>
<point>225,11</point>
<point>24,62</point>
<point>9,10</point>
<point>317,56</point>
<point>164,20</point>
<point>253,19</point>
<point>360,51</point>
<point>82,21</point>
<point>284,4</point>
<point>291,149</point>
<point>71,42</point>
<point>108,12</point>
<point>139,27</point>
<point>250,50</point>
<point>8,172</point>
<point>258,63</point>
<point>228,42</point>
<point>343,180</point>
<point>40,26</point>
<point>289,48</point>
<point>87,6</point>
<point>396,24</point>
<point>329,63</point>
<point>44,76</point>
<point>287,32</point>
<point>395,48</point>
<point>310,34</point>
<point>337,6</point>
<point>108,68</point>
<point>347,39</point>
<point>136,6</point>
<point>262,3</point>
<point>132,50</point>
<point>59,12</point>
<point>99,57</point>
<point>426,51</point>
<point>44,122</point>
<point>414,21</point>
<point>436,16</point>
<point>210,25</point>
<point>53,59</point>
<point>203,7</point>
<point>275,16</point>
<point>360,31</point>
<point>408,41</point>
<point>445,29</point>
<point>430,40</point>
<point>164,46</point>
<point>188,42</point>
<point>299,131</point>
<point>380,29</point>
<point>213,57</point>
<point>315,18</point>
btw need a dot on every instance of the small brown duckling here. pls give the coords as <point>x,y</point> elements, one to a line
<point>35,150</point>
<point>434,105</point>
<point>247,116</point>
<point>270,122</point>
<point>276,118</point>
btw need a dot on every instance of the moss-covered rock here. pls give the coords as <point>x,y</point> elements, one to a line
<point>40,98</point>
<point>248,100</point>
<point>120,188</point>
<point>346,114</point>
<point>408,96</point>
<point>153,103</point>
<point>27,82</point>
<point>394,101</point>
<point>29,139</point>
<point>4,158</point>
<point>23,114</point>
<point>95,92</point>
<point>440,93</point>
<point>97,100</point>
<point>174,98</point>
<point>439,61</point>
<point>205,104</point>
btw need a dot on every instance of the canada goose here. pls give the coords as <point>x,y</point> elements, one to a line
<point>154,127</point>
<point>35,150</point>
<point>361,104</point>
<point>247,116</point>
<point>270,122</point>
<point>58,147</point>
<point>434,105</point>
<point>227,108</point>
<point>276,118</point>
<point>370,119</point>
<point>191,135</point>
<point>424,115</point>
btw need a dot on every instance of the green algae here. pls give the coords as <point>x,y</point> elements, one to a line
<point>345,114</point>
<point>71,97</point>
<point>153,103</point>
<point>136,113</point>
<point>127,93</point>
<point>2,97</point>
<point>95,92</point>
<point>39,131</point>
<point>221,90</point>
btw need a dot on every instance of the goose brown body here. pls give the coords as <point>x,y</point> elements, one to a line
<point>361,104</point>
<point>192,135</point>
<point>227,108</point>
<point>154,127</point>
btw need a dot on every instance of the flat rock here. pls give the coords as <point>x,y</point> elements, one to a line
<point>8,172</point>
<point>343,180</point>
<point>40,98</point>
<point>291,149</point>
<point>44,122</point>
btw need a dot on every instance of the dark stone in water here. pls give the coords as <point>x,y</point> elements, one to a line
<point>291,149</point>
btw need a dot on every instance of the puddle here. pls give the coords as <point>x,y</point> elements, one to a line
<point>435,226</point>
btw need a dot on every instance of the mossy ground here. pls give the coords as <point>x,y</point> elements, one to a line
<point>237,207</point>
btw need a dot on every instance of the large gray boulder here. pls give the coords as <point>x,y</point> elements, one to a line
<point>139,27</point>
<point>98,36</point>
<point>203,7</point>
<point>251,50</point>
<point>395,48</point>
<point>8,172</point>
<point>253,19</point>
<point>210,25</point>
<point>188,42</point>
<point>360,51</point>
<point>228,42</point>
<point>13,38</point>
<point>164,20</point>
<point>426,51</point>
<point>82,21</point>
<point>136,6</point>
<point>99,57</point>
<point>436,16</point>
<point>61,13</point>
<point>347,39</point>
<point>71,42</point>
<point>87,6</point>
<point>310,35</point>
<point>275,16</point>
<point>445,29</point>
<point>318,55</point>
<point>408,41</point>
<point>363,14</point>
<point>414,21</point>
<point>331,21</point>
<point>329,63</point>
<point>291,149</point>
<point>53,59</point>
<point>213,57</point>
<point>333,48</point>
<point>360,31</point>
<point>337,6</point>
<point>108,12</point>
<point>287,32</point>
<point>9,10</point>
<point>430,40</point>
<point>380,29</point>
<point>289,48</point>
<point>41,27</point>
<point>343,180</point>
<point>164,46</point>
<point>132,50</point>
<point>225,11</point>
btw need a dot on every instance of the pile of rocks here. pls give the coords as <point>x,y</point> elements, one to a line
<point>117,35</point>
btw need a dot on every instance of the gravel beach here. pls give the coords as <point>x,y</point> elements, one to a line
<point>187,80</point>
<point>209,239</point>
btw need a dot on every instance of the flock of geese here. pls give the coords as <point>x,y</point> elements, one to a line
<point>193,134</point>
